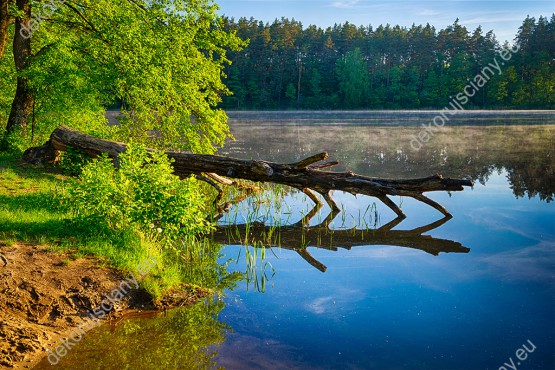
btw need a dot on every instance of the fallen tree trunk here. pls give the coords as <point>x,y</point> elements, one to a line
<point>305,175</point>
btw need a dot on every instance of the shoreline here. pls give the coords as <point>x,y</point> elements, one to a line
<point>47,295</point>
<point>389,118</point>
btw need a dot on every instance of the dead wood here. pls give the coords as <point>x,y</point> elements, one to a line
<point>305,175</point>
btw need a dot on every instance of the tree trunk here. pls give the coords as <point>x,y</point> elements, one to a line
<point>4,22</point>
<point>305,175</point>
<point>22,105</point>
<point>300,67</point>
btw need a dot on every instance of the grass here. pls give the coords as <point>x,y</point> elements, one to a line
<point>34,209</point>
<point>29,200</point>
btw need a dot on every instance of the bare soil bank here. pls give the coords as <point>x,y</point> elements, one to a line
<point>45,295</point>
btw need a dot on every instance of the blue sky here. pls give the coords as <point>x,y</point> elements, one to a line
<point>502,16</point>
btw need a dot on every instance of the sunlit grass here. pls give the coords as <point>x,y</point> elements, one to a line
<point>35,210</point>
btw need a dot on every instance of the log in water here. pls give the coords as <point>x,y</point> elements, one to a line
<point>306,175</point>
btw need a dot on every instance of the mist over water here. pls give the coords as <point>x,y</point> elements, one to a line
<point>391,118</point>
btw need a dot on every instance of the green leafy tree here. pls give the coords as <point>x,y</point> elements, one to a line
<point>8,80</point>
<point>234,82</point>
<point>291,95</point>
<point>314,82</point>
<point>431,89</point>
<point>458,72</point>
<point>411,83</point>
<point>434,65</point>
<point>395,90</point>
<point>353,79</point>
<point>163,60</point>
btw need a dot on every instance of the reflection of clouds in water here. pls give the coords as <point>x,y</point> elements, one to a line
<point>533,263</point>
<point>318,306</point>
<point>249,352</point>
<point>511,217</point>
<point>514,219</point>
<point>336,304</point>
<point>536,262</point>
<point>497,220</point>
<point>386,252</point>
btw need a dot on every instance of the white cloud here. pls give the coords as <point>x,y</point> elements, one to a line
<point>481,20</point>
<point>428,12</point>
<point>345,4</point>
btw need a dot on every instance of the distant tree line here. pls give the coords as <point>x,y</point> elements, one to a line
<point>287,66</point>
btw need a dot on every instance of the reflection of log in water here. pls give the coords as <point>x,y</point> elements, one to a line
<point>298,237</point>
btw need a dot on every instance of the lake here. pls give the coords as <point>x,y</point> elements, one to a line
<point>476,291</point>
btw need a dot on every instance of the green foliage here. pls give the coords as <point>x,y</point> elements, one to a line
<point>7,86</point>
<point>291,94</point>
<point>36,208</point>
<point>143,194</point>
<point>388,67</point>
<point>14,142</point>
<point>72,161</point>
<point>353,79</point>
<point>161,61</point>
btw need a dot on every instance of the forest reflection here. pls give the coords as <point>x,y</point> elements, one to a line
<point>183,338</point>
<point>526,152</point>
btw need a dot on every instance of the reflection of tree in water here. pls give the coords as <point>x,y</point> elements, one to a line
<point>300,236</point>
<point>531,180</point>
<point>183,338</point>
<point>526,153</point>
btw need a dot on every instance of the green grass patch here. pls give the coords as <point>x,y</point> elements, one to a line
<point>36,207</point>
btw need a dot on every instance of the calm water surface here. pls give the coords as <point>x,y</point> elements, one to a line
<point>425,293</point>
<point>390,307</point>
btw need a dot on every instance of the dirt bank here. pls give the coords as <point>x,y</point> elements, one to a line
<point>45,295</point>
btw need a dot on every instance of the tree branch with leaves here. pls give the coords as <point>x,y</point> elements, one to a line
<point>162,62</point>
